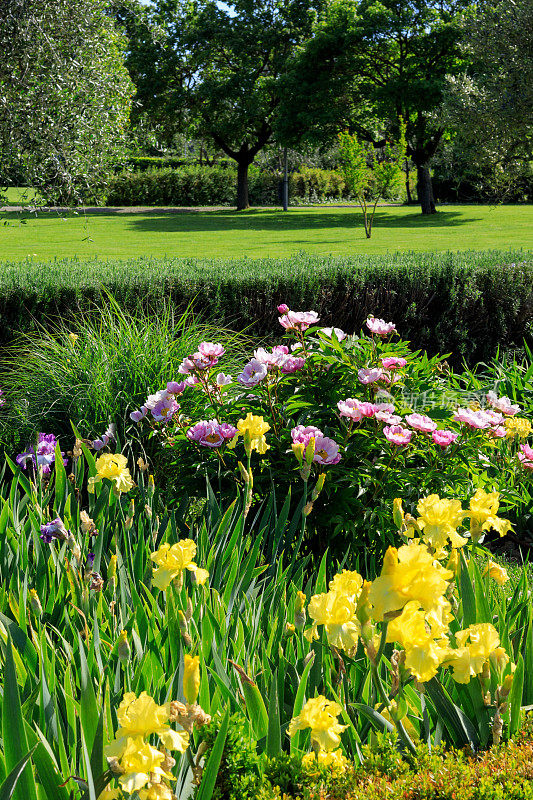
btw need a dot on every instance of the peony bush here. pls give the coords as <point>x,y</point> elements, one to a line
<point>360,418</point>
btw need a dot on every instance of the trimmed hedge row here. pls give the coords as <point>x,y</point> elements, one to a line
<point>468,304</point>
<point>202,186</point>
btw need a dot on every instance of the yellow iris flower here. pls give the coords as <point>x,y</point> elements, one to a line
<point>140,762</point>
<point>336,611</point>
<point>475,645</point>
<point>320,715</point>
<point>483,510</point>
<point>409,573</point>
<point>497,572</point>
<point>191,678</point>
<point>172,560</point>
<point>439,520</point>
<point>253,429</point>
<point>114,467</point>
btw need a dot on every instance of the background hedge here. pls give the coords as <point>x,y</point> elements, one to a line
<point>203,186</point>
<point>468,304</point>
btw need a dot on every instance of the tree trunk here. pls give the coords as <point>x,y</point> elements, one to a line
<point>242,185</point>
<point>408,184</point>
<point>424,188</point>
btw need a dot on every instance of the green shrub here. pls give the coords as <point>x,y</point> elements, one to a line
<point>192,185</point>
<point>505,771</point>
<point>186,186</point>
<point>468,304</point>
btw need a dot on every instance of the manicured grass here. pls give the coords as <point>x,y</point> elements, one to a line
<point>17,196</point>
<point>263,232</point>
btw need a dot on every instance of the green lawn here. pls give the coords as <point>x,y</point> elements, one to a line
<point>264,232</point>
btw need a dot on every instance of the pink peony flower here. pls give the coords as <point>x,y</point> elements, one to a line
<point>526,456</point>
<point>386,416</point>
<point>392,362</point>
<point>161,405</point>
<point>211,433</point>
<point>186,366</point>
<point>337,331</point>
<point>253,373</point>
<point>444,438</point>
<point>384,407</point>
<point>292,364</point>
<point>137,416</point>
<point>379,326</point>
<point>211,351</point>
<point>474,419</point>
<point>274,359</point>
<point>173,387</point>
<point>350,408</point>
<point>301,434</point>
<point>368,375</point>
<point>298,320</point>
<point>191,380</point>
<point>493,417</point>
<point>419,422</point>
<point>502,404</point>
<point>498,432</point>
<point>326,451</point>
<point>283,308</point>
<point>390,377</point>
<point>224,380</point>
<point>395,434</point>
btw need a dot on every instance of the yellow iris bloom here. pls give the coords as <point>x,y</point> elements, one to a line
<point>483,510</point>
<point>320,715</point>
<point>253,429</point>
<point>475,645</point>
<point>172,560</point>
<point>191,678</point>
<point>409,573</point>
<point>497,572</point>
<point>336,612</point>
<point>439,520</point>
<point>114,467</point>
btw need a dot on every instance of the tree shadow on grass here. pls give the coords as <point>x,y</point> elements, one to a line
<point>276,221</point>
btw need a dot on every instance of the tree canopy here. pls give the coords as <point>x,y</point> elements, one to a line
<point>370,64</point>
<point>223,65</point>
<point>65,96</point>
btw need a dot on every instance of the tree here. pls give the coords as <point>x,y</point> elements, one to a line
<point>371,174</point>
<point>65,96</point>
<point>489,106</point>
<point>222,63</point>
<point>369,64</point>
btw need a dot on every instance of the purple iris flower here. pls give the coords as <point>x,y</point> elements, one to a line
<point>53,530</point>
<point>43,455</point>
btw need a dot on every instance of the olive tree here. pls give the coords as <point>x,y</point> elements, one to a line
<point>65,96</point>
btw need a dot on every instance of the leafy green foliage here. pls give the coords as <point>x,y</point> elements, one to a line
<point>467,304</point>
<point>65,97</point>
<point>371,175</point>
<point>63,676</point>
<point>370,63</point>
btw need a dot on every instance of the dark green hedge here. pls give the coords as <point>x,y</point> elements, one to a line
<point>467,304</point>
<point>217,186</point>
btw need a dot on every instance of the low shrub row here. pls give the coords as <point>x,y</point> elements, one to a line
<point>468,304</point>
<point>504,771</point>
<point>201,186</point>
